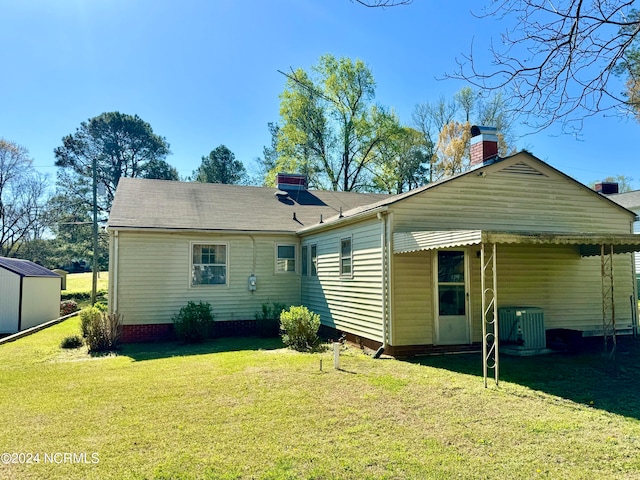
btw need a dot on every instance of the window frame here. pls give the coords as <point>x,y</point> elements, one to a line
<point>304,260</point>
<point>313,260</point>
<point>195,243</point>
<point>343,257</point>
<point>295,259</point>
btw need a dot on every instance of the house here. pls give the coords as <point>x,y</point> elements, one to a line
<point>235,247</point>
<point>29,295</point>
<point>426,270</point>
<point>630,201</point>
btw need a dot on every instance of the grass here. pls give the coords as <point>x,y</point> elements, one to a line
<point>246,408</point>
<point>79,288</point>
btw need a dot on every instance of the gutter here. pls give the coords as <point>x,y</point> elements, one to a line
<point>340,222</point>
<point>199,230</point>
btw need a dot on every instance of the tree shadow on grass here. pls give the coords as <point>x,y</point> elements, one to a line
<point>156,350</point>
<point>590,378</point>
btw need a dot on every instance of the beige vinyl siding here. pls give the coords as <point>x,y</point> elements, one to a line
<point>557,279</point>
<point>154,276</point>
<point>41,300</point>
<point>10,301</point>
<point>567,286</point>
<point>505,200</point>
<point>515,195</point>
<point>412,299</point>
<point>350,304</point>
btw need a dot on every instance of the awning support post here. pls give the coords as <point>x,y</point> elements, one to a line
<point>608,301</point>
<point>489,285</point>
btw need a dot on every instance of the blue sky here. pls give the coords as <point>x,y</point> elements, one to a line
<point>205,73</point>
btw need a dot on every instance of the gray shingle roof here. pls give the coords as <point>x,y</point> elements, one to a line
<point>629,200</point>
<point>159,204</point>
<point>25,268</point>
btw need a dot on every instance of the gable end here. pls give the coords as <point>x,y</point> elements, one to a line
<point>522,168</point>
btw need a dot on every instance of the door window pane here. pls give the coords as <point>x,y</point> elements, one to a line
<point>450,267</point>
<point>451,300</point>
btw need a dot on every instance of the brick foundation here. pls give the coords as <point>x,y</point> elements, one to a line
<point>164,331</point>
<point>147,333</point>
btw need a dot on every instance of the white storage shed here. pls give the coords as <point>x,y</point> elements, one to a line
<point>29,295</point>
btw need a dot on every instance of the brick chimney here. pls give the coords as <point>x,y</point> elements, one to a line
<point>606,188</point>
<point>484,145</point>
<point>291,181</point>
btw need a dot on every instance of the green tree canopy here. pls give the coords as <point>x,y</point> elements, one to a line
<point>403,162</point>
<point>330,129</point>
<point>157,169</point>
<point>629,65</point>
<point>220,166</point>
<point>122,145</point>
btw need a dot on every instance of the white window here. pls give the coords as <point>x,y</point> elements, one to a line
<point>208,264</point>
<point>345,257</point>
<point>304,259</point>
<point>314,260</point>
<point>286,258</point>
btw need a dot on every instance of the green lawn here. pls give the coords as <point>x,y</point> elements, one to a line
<point>79,287</point>
<point>246,408</point>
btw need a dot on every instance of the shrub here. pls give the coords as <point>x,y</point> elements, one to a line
<point>88,316</point>
<point>68,307</point>
<point>100,329</point>
<point>101,306</point>
<point>268,320</point>
<point>72,341</point>
<point>300,328</point>
<point>194,322</point>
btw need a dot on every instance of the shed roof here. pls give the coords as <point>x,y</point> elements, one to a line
<point>161,204</point>
<point>25,268</point>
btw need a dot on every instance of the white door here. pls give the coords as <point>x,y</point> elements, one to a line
<point>451,297</point>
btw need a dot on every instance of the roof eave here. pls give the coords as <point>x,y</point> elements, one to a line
<point>129,228</point>
<point>341,221</point>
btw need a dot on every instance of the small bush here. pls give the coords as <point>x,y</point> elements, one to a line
<point>100,330</point>
<point>194,322</point>
<point>300,328</point>
<point>268,320</point>
<point>88,316</point>
<point>68,307</point>
<point>72,341</point>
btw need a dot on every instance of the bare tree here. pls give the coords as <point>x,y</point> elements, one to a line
<point>559,59</point>
<point>22,199</point>
<point>383,3</point>
<point>429,119</point>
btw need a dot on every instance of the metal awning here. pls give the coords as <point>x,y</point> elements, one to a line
<point>589,243</point>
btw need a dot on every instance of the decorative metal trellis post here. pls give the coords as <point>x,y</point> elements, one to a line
<point>489,285</point>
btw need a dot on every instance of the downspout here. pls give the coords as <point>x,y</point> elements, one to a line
<point>113,275</point>
<point>385,278</point>
<point>634,299</point>
<point>389,260</point>
<point>253,265</point>
<point>634,283</point>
